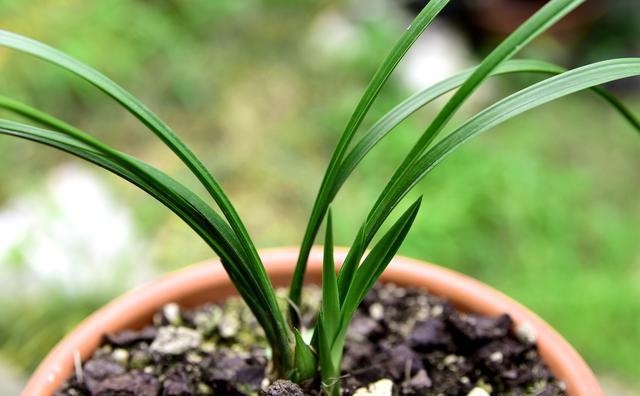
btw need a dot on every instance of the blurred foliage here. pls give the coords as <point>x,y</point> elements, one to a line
<point>544,208</point>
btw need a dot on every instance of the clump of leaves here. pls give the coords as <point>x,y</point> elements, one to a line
<point>226,234</point>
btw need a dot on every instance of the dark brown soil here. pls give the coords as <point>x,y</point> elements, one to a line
<point>417,341</point>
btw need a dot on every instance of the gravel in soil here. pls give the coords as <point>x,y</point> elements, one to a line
<point>402,341</point>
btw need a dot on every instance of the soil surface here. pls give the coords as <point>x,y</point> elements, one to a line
<point>402,341</point>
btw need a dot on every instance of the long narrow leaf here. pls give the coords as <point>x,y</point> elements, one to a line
<point>330,299</point>
<point>419,24</point>
<point>199,216</point>
<point>377,260</point>
<point>553,11</point>
<point>305,360</point>
<point>160,129</point>
<point>156,178</point>
<point>369,272</point>
<point>59,125</point>
<point>534,26</point>
<point>349,266</point>
<point>189,213</point>
<point>399,113</point>
<point>259,285</point>
<point>329,371</point>
<point>536,95</point>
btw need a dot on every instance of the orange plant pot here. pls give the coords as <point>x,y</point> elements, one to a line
<point>207,282</point>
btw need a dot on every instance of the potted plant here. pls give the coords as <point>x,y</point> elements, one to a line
<point>357,322</point>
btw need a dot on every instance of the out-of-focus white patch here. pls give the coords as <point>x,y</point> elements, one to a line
<point>439,53</point>
<point>333,34</point>
<point>71,234</point>
<point>11,381</point>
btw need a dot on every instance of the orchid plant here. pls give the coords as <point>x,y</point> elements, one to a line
<point>223,230</point>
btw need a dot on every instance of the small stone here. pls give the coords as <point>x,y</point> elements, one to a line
<point>207,321</point>
<point>229,326</point>
<point>478,328</point>
<point>204,389</point>
<point>120,356</point>
<point>225,371</point>
<point>97,370</point>
<point>449,360</point>
<point>193,358</point>
<point>376,311</point>
<point>482,384</point>
<point>171,312</point>
<point>208,347</point>
<point>175,340</point>
<point>134,383</point>
<point>526,333</point>
<point>496,357</point>
<point>477,391</point>
<point>177,382</point>
<point>437,310</point>
<point>430,334</point>
<point>282,388</point>
<point>420,382</point>
<point>128,337</point>
<point>383,387</point>
<point>139,358</point>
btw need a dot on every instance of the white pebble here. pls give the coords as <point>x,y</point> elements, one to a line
<point>171,311</point>
<point>120,355</point>
<point>382,387</point>
<point>478,392</point>
<point>450,359</point>
<point>376,311</point>
<point>437,310</point>
<point>175,340</point>
<point>527,333</point>
<point>496,357</point>
<point>229,326</point>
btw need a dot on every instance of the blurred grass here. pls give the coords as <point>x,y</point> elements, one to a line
<point>544,208</point>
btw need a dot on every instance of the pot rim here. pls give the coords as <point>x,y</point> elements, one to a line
<point>207,281</point>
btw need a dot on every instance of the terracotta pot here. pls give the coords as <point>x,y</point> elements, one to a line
<point>207,282</point>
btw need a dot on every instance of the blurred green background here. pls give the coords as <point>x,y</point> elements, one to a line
<point>545,208</point>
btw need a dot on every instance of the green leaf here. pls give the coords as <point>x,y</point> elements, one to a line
<point>534,26</point>
<point>349,266</point>
<point>160,129</point>
<point>127,100</point>
<point>329,371</point>
<point>419,24</point>
<point>403,110</point>
<point>369,272</point>
<point>172,194</point>
<point>305,361</point>
<point>536,95</point>
<point>176,197</point>
<point>544,18</point>
<point>377,260</point>
<point>330,299</point>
